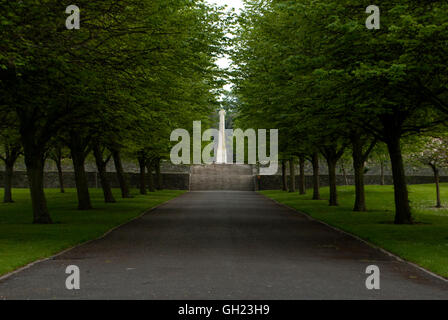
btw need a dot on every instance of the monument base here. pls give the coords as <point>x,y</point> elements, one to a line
<point>236,177</point>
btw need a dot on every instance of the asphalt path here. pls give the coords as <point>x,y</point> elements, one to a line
<point>223,245</point>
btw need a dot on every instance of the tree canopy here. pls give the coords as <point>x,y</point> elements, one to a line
<point>132,72</point>
<point>313,70</point>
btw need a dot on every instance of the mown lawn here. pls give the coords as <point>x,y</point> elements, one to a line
<point>425,243</point>
<point>22,242</point>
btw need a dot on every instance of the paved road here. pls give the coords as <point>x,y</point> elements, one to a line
<point>223,245</point>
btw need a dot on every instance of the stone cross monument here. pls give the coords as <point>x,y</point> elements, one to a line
<point>221,153</point>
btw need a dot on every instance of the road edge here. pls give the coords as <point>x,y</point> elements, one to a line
<point>31,264</point>
<point>374,246</point>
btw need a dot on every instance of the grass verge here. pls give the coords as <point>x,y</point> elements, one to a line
<point>22,242</point>
<point>425,243</point>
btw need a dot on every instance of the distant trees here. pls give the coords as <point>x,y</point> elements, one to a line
<point>432,152</point>
<point>57,154</point>
<point>10,150</point>
<point>132,68</point>
<point>314,71</point>
<point>136,70</point>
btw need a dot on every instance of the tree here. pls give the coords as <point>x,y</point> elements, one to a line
<point>362,147</point>
<point>433,153</point>
<point>57,154</point>
<point>380,157</point>
<point>11,149</point>
<point>159,181</point>
<point>150,168</point>
<point>332,152</point>
<point>302,182</point>
<point>342,77</point>
<point>142,158</point>
<point>389,80</point>
<point>316,176</point>
<point>127,58</point>
<point>101,164</point>
<point>292,175</point>
<point>284,178</point>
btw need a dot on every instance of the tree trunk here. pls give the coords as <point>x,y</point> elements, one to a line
<point>360,197</point>
<point>344,173</point>
<point>9,170</point>
<point>358,167</point>
<point>159,182</point>
<point>12,152</point>
<point>35,171</point>
<point>82,186</point>
<point>402,209</point>
<point>60,176</point>
<point>382,182</point>
<point>437,182</point>
<point>142,162</point>
<point>34,146</point>
<point>149,166</point>
<point>292,176</point>
<point>316,182</point>
<point>101,166</point>
<point>120,174</point>
<point>302,186</point>
<point>332,181</point>
<point>284,178</point>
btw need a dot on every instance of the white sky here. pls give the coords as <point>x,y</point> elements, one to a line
<point>237,4</point>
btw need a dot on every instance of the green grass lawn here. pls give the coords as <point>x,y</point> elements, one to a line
<point>22,242</point>
<point>425,243</point>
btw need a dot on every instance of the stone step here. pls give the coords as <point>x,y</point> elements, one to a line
<point>237,169</point>
<point>222,177</point>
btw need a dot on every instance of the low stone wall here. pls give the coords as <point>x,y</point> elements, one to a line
<point>181,181</point>
<point>171,181</point>
<point>275,182</point>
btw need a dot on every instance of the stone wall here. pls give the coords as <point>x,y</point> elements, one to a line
<point>181,180</point>
<point>128,166</point>
<point>171,181</point>
<point>237,177</point>
<point>371,168</point>
<point>275,182</point>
